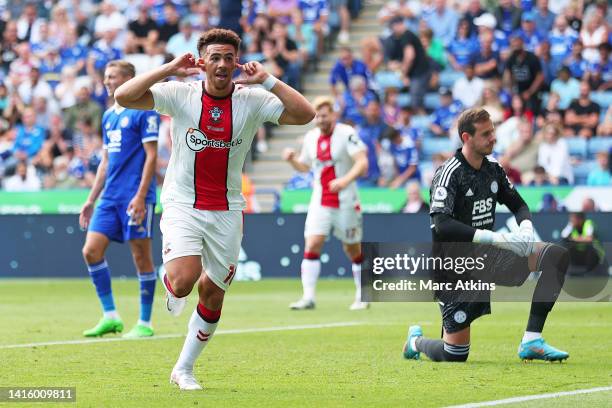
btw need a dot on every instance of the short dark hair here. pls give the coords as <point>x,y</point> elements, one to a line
<point>469,118</point>
<point>218,36</point>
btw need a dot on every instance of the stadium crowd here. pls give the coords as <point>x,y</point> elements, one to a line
<point>53,55</point>
<point>542,69</point>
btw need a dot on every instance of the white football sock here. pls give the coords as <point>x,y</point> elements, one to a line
<point>112,314</point>
<point>199,334</point>
<point>143,323</point>
<point>310,273</point>
<point>528,336</point>
<point>357,278</point>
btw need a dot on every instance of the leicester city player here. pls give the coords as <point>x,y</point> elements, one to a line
<point>464,193</point>
<point>125,211</point>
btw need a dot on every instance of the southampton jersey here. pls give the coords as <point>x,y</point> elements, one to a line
<point>469,195</point>
<point>330,157</point>
<point>211,137</point>
<point>124,131</point>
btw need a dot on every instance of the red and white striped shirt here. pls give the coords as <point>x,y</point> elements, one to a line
<point>211,137</point>
<point>330,157</point>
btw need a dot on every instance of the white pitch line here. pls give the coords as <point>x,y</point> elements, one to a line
<point>532,397</point>
<point>174,336</point>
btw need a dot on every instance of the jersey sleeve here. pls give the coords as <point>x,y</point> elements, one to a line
<point>149,126</point>
<point>444,189</point>
<point>268,107</point>
<point>169,97</point>
<point>354,144</point>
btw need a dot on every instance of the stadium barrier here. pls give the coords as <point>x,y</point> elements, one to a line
<point>273,244</point>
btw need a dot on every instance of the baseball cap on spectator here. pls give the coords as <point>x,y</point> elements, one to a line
<point>444,91</point>
<point>487,20</point>
<point>528,16</point>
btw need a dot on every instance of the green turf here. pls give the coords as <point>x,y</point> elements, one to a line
<point>342,366</point>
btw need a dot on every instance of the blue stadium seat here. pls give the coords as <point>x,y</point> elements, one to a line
<point>599,144</point>
<point>421,122</point>
<point>582,170</point>
<point>603,99</point>
<point>403,100</point>
<point>577,147</point>
<point>388,79</point>
<point>432,145</point>
<point>449,77</point>
<point>432,101</point>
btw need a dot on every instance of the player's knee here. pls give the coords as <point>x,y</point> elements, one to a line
<point>457,353</point>
<point>181,286</point>
<point>91,254</point>
<point>557,256</point>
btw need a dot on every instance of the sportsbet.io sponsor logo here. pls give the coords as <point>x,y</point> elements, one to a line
<point>198,141</point>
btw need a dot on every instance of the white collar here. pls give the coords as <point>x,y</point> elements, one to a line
<point>118,108</point>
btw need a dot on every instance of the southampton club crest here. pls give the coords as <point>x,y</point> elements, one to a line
<point>215,114</point>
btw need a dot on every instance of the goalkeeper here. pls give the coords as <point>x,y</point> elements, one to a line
<point>463,196</point>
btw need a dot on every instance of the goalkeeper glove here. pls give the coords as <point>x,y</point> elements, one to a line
<point>520,244</point>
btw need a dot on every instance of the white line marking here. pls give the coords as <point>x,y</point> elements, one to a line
<point>174,336</point>
<point>532,397</point>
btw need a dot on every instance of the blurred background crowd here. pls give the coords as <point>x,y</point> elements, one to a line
<point>541,68</point>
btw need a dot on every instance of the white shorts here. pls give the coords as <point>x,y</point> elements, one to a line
<point>214,235</point>
<point>346,222</point>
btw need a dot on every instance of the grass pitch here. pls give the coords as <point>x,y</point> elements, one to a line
<point>359,365</point>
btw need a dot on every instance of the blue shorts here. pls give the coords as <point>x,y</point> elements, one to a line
<point>111,219</point>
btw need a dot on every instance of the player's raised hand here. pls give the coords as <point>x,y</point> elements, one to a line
<point>288,154</point>
<point>184,65</point>
<point>85,215</point>
<point>253,73</point>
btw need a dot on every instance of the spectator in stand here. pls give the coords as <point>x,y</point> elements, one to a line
<point>59,22</point>
<point>170,26</point>
<point>561,39</point>
<point>14,108</point>
<point>44,108</point>
<point>531,37</point>
<point>468,89</point>
<point>509,132</point>
<point>605,127</point>
<point>553,155</point>
<point>404,51</point>
<point>84,108</point>
<point>21,66</point>
<point>390,106</point>
<point>599,74</point>
<point>524,75</point>
<point>443,21</point>
<point>575,62</point>
<point>405,157</point>
<point>473,11</point>
<point>588,205</point>
<point>543,18</point>
<point>444,116</point>
<point>57,143</point>
<point>372,53</point>
<point>283,10</point>
<point>312,20</point>
<point>601,175</point>
<point>30,137</point>
<point>24,179</point>
<point>486,25</point>
<point>414,200</point>
<point>522,155</point>
<point>513,174</point>
<point>405,126</point>
<point>51,67</point>
<point>345,68</point>
<point>28,24</point>
<point>548,69</point>
<point>71,52</point>
<point>582,115</point>
<point>8,48</point>
<point>102,52</point>
<point>183,41</point>
<point>462,47</point>
<point>270,54</point>
<point>593,33</point>
<point>508,16</point>
<point>566,87</point>
<point>110,19</point>
<point>355,100</point>
<point>44,43</point>
<point>34,87</point>
<point>370,133</point>
<point>434,48</point>
<point>486,60</point>
<point>580,237</point>
<point>142,31</point>
<point>540,178</point>
<point>491,103</point>
<point>407,10</point>
<point>288,58</point>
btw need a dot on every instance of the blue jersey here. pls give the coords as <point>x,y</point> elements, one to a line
<point>464,50</point>
<point>312,10</point>
<point>531,40</point>
<point>444,116</point>
<point>561,45</point>
<point>124,132</point>
<point>405,154</point>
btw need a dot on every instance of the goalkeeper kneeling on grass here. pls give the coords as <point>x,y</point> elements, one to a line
<point>464,193</point>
